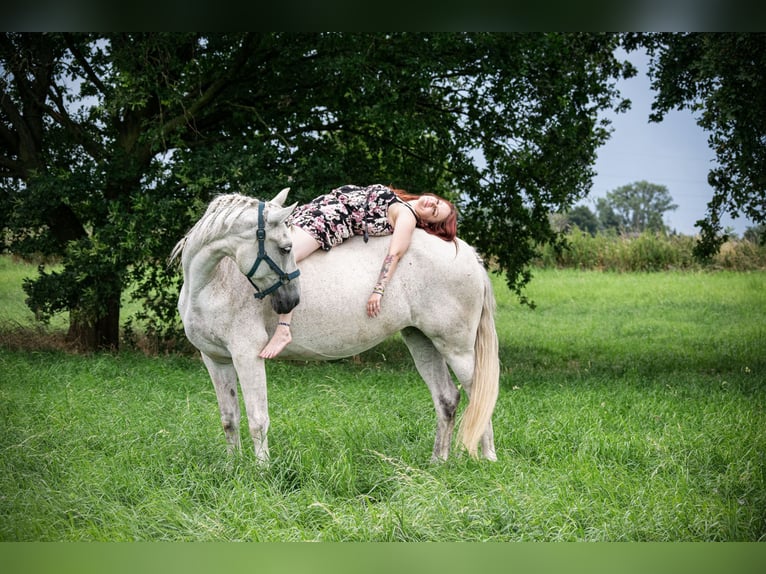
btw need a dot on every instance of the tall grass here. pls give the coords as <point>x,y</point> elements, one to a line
<point>631,408</point>
<point>648,252</point>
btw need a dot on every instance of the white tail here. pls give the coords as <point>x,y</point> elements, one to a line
<point>486,377</point>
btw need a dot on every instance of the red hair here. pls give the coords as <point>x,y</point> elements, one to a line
<point>447,229</point>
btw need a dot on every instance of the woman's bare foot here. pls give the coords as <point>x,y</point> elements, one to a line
<point>279,341</point>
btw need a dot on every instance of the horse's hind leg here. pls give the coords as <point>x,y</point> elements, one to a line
<point>445,395</point>
<point>224,378</point>
<point>488,443</point>
<point>462,364</point>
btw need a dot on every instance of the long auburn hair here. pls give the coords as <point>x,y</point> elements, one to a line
<point>447,229</point>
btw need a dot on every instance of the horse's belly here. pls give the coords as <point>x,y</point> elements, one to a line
<point>335,341</point>
<point>298,351</point>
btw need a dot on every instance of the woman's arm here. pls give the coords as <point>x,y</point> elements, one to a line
<point>404,223</point>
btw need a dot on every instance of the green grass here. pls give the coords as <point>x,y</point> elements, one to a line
<point>12,307</point>
<point>631,408</point>
<point>637,321</point>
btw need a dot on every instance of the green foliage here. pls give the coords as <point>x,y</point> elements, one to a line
<point>719,77</point>
<point>631,409</point>
<point>116,141</point>
<point>583,218</point>
<point>647,252</point>
<point>507,212</point>
<point>756,234</point>
<point>635,208</point>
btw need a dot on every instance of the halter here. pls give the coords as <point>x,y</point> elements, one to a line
<point>284,278</point>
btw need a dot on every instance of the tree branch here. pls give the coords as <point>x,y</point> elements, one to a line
<point>61,115</point>
<point>84,63</point>
<point>213,89</point>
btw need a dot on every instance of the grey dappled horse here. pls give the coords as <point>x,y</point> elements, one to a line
<point>440,299</point>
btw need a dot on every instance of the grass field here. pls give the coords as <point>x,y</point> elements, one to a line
<point>631,409</point>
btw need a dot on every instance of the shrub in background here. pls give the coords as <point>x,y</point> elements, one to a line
<point>647,251</point>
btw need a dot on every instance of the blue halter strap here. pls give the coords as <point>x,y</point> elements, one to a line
<point>284,278</point>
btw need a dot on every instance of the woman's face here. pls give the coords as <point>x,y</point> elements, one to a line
<point>432,209</point>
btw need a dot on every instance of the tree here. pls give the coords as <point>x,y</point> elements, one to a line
<point>636,207</point>
<point>84,121</point>
<point>756,234</point>
<point>113,143</point>
<point>720,78</point>
<point>607,218</point>
<point>583,218</point>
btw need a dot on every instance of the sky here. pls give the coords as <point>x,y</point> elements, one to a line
<point>673,153</point>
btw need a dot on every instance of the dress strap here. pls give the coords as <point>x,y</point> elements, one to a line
<point>408,206</point>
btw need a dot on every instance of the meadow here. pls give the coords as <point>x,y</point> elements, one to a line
<point>631,409</point>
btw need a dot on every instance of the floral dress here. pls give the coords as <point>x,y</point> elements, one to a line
<point>348,210</point>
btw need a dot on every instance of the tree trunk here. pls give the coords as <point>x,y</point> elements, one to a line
<point>100,335</point>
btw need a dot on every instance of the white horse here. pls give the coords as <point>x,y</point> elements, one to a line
<point>440,298</point>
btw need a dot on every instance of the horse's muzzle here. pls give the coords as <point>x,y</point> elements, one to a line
<point>287,297</point>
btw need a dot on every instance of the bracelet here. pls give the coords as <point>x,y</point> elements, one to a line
<point>378,291</point>
<point>284,324</point>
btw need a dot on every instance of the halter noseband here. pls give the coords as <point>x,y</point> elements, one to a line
<point>284,278</point>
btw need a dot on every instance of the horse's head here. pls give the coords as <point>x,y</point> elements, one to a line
<point>266,256</point>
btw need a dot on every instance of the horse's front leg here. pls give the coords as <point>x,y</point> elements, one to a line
<point>252,379</point>
<point>224,379</point>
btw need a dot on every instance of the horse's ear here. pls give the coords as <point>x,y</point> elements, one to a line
<point>279,216</point>
<point>281,197</point>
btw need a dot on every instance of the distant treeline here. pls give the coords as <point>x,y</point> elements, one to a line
<point>648,251</point>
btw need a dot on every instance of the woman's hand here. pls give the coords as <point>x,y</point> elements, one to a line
<point>373,304</point>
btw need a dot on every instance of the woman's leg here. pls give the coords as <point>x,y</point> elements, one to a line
<point>303,246</point>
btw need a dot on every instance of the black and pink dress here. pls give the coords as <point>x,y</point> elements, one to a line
<point>346,211</point>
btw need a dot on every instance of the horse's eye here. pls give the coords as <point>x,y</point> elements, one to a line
<point>286,250</point>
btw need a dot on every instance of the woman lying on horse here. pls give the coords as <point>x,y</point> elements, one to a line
<point>377,210</point>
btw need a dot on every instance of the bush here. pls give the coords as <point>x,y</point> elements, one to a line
<point>742,255</point>
<point>647,251</point>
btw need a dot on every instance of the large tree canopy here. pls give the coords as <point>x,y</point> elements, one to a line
<point>112,143</point>
<point>721,79</point>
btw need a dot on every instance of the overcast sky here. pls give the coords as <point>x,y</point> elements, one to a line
<point>673,153</point>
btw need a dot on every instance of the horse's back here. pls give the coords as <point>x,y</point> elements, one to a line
<point>438,288</point>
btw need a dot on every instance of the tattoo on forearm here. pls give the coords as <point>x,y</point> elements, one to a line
<point>384,270</point>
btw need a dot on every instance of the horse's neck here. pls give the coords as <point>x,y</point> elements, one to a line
<point>200,267</point>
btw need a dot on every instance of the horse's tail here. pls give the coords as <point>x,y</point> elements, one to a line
<point>486,377</point>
